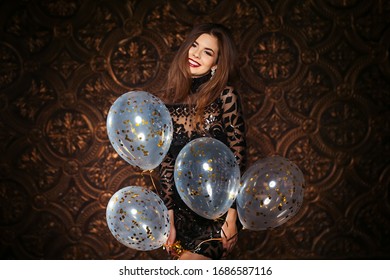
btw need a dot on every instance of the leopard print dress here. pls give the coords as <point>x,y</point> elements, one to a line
<point>223,121</point>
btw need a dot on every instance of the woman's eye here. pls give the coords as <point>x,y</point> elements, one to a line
<point>209,53</point>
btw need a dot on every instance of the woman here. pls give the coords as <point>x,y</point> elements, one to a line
<point>202,104</point>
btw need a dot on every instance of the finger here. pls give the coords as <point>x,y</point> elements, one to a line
<point>223,234</point>
<point>224,239</point>
<point>231,242</point>
<point>168,248</point>
<point>234,237</point>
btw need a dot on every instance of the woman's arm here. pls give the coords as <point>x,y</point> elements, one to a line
<point>234,124</point>
<point>166,172</point>
<point>229,230</point>
<point>172,232</point>
<point>235,128</point>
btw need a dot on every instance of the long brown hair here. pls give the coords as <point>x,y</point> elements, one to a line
<point>179,79</point>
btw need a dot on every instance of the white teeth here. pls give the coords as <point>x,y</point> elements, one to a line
<point>193,63</point>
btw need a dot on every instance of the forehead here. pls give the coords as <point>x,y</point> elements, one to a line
<point>208,41</point>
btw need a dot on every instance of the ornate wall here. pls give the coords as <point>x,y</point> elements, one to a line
<point>315,88</point>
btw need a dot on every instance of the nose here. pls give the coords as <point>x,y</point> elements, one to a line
<point>196,53</point>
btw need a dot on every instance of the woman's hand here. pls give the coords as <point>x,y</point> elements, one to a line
<point>229,231</point>
<point>172,232</point>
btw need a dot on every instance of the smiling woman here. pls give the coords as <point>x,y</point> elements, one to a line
<point>202,103</point>
<point>203,55</point>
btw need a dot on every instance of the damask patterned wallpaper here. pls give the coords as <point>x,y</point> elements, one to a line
<point>315,86</point>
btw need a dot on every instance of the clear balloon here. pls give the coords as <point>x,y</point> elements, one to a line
<point>207,177</point>
<point>138,218</point>
<point>139,127</point>
<point>271,193</point>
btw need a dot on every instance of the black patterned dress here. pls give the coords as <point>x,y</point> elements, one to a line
<point>223,121</point>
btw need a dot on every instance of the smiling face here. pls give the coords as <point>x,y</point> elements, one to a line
<point>203,55</point>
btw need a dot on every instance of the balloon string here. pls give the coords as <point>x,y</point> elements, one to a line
<point>214,239</point>
<point>151,178</point>
<point>207,240</point>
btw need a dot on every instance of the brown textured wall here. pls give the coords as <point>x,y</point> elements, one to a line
<point>315,88</point>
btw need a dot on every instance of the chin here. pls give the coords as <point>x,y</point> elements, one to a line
<point>197,74</point>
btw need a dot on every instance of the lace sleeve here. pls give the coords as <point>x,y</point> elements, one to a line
<point>166,172</point>
<point>234,125</point>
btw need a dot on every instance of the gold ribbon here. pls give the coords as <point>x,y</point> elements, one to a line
<point>176,248</point>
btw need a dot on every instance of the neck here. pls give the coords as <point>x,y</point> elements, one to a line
<point>198,81</point>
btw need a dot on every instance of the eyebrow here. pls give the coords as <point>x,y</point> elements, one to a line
<point>205,48</point>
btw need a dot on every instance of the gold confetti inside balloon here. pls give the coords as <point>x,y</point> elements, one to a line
<point>138,218</point>
<point>207,177</point>
<point>139,127</point>
<point>271,193</point>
